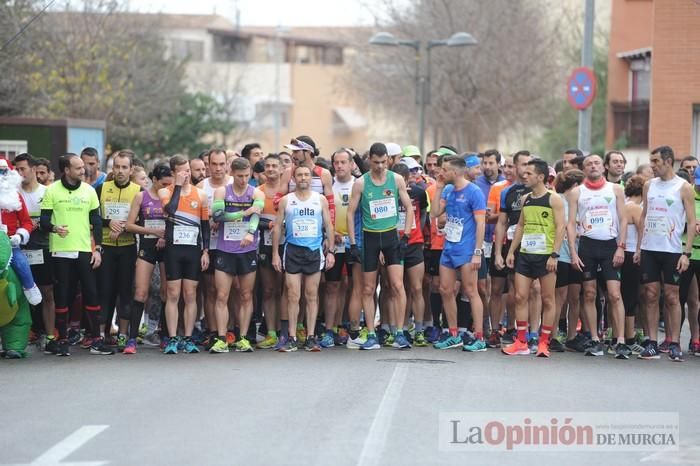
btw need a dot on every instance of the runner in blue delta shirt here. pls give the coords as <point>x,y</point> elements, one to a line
<point>460,230</point>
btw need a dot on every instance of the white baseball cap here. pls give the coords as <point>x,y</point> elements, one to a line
<point>393,149</point>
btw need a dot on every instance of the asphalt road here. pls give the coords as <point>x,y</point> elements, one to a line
<point>337,407</point>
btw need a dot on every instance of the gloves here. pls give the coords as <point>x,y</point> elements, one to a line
<point>354,257</point>
<point>15,241</point>
<point>403,246</point>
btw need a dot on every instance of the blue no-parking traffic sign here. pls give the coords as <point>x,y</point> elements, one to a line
<point>581,88</point>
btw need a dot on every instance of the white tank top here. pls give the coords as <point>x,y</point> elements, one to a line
<point>209,191</point>
<point>597,213</point>
<point>665,219</point>
<point>631,240</point>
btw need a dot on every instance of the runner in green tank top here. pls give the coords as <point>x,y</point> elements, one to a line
<point>539,234</point>
<point>377,193</point>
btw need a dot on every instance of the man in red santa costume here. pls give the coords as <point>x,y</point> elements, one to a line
<point>16,223</point>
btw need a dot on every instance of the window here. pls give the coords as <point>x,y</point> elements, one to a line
<point>10,148</point>
<point>192,50</point>
<point>640,71</point>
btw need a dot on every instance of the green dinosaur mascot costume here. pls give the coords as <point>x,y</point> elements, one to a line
<point>15,317</point>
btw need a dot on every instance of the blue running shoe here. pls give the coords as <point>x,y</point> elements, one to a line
<point>371,344</point>
<point>191,346</point>
<point>180,344</point>
<point>281,343</point>
<point>328,340</point>
<point>432,334</point>
<point>474,345</point>
<point>171,347</point>
<point>448,342</point>
<point>400,341</point>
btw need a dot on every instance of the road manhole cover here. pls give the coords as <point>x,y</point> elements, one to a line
<point>416,361</point>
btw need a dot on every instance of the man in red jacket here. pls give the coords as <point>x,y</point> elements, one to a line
<point>17,224</point>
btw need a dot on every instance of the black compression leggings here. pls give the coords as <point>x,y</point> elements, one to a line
<point>68,273</point>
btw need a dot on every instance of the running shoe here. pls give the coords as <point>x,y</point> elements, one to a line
<point>86,342</point>
<point>596,349</point>
<point>64,348</point>
<point>180,344</point>
<point>270,341</point>
<point>664,346</point>
<point>100,348</point>
<point>33,336</point>
<point>694,348</point>
<point>651,351</point>
<point>290,345</point>
<point>143,330</point>
<point>301,334</point>
<point>401,342</point>
<point>230,339</point>
<point>494,340</point>
<point>577,344</point>
<point>371,343</point>
<point>450,341</point>
<point>474,346</point>
<point>517,348</point>
<point>509,337</point>
<point>420,340</point>
<point>51,346</point>
<point>432,334</point>
<point>220,346</point>
<point>121,342</point>
<point>130,347</point>
<point>622,351</point>
<point>342,337</point>
<point>555,346</point>
<point>328,340</point>
<point>74,336</point>
<point>281,342</point>
<point>388,340</point>
<point>543,349</point>
<point>674,352</point>
<point>190,346</point>
<point>311,345</point>
<point>356,343</point>
<point>109,340</point>
<point>636,348</point>
<point>33,295</point>
<point>533,343</point>
<point>408,334</point>
<point>11,354</point>
<point>243,346</point>
<point>171,346</point>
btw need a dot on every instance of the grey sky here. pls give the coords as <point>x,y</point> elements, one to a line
<point>268,12</point>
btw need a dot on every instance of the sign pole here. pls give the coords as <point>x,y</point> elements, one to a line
<point>585,116</point>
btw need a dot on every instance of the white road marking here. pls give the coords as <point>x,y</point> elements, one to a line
<point>55,455</point>
<point>376,437</point>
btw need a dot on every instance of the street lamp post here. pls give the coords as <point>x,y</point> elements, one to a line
<point>459,39</point>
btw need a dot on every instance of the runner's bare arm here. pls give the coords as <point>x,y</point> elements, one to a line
<point>131,225</point>
<point>642,219</point>
<point>277,231</point>
<point>501,227</point>
<point>571,225</point>
<point>557,204</point>
<point>621,214</point>
<point>688,197</point>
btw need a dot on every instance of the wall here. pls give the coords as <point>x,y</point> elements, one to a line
<point>675,74</point>
<point>631,28</point>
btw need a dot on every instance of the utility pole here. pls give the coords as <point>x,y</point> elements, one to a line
<point>585,117</point>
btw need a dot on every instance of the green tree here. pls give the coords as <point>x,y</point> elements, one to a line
<point>194,117</point>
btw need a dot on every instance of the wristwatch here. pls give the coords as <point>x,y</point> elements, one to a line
<point>554,255</point>
<point>98,249</point>
<point>688,254</point>
<point>478,252</point>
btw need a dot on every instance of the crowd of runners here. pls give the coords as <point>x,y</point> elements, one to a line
<point>390,247</point>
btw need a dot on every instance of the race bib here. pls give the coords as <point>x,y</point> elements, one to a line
<point>34,256</point>
<point>453,231</point>
<point>118,211</point>
<point>340,248</point>
<point>382,208</point>
<point>304,228</point>
<point>185,235</point>
<point>65,254</point>
<point>235,231</point>
<point>156,224</point>
<point>402,220</point>
<point>534,243</point>
<point>510,232</point>
<point>488,247</point>
<point>599,220</point>
<point>267,238</point>
<point>656,225</point>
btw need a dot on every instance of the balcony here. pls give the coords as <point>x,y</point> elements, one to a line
<point>631,122</point>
